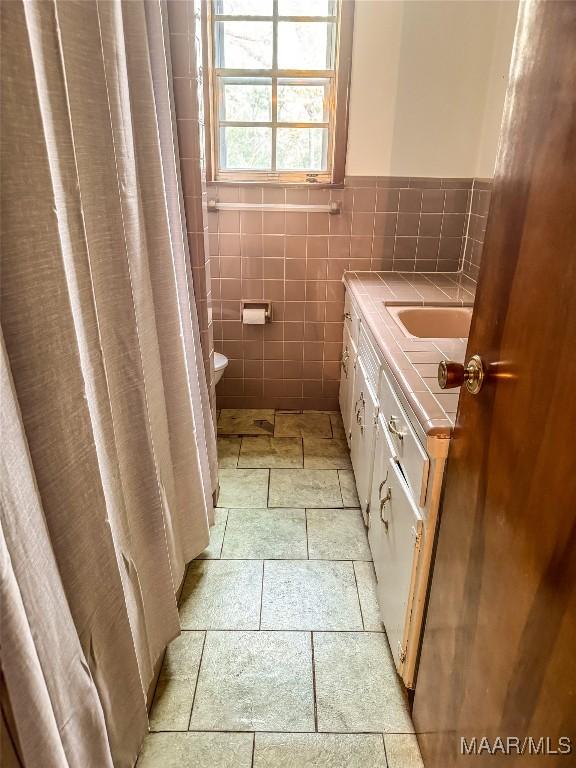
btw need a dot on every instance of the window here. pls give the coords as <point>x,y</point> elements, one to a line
<point>279,74</point>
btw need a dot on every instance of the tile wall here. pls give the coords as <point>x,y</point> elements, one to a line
<point>185,50</point>
<point>296,261</point>
<point>474,240</point>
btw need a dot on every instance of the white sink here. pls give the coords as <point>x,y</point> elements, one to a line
<point>443,322</point>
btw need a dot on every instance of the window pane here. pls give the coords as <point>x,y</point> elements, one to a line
<point>243,7</point>
<point>245,148</point>
<point>303,101</point>
<point>306,7</point>
<point>305,44</point>
<point>301,149</point>
<point>246,100</point>
<point>244,44</point>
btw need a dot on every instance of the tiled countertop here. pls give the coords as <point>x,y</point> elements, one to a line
<point>414,361</point>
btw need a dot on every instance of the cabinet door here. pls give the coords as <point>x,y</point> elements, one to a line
<point>363,430</point>
<point>380,475</point>
<point>347,381</point>
<point>395,535</point>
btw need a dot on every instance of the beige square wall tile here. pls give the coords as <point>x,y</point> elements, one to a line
<point>348,488</point>
<point>326,453</point>
<point>246,421</point>
<point>212,551</point>
<point>176,750</point>
<point>277,452</point>
<point>228,450</point>
<point>357,689</point>
<point>309,424</point>
<point>243,488</point>
<point>366,582</point>
<point>402,751</point>
<point>318,750</point>
<point>303,488</point>
<point>337,534</point>
<point>266,534</point>
<point>310,595</point>
<point>259,681</point>
<point>222,594</point>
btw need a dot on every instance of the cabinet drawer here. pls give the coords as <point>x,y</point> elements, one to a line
<point>404,442</point>
<point>351,318</point>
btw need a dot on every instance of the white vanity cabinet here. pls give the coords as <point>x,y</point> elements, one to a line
<point>398,471</point>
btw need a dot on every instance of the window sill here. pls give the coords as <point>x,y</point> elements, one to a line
<point>276,184</point>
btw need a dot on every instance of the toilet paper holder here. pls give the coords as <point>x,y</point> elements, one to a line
<point>265,305</point>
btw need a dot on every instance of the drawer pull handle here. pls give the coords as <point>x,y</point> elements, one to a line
<point>383,503</point>
<point>382,484</point>
<point>347,316</point>
<point>393,429</point>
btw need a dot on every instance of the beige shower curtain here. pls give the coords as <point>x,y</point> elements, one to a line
<point>108,450</point>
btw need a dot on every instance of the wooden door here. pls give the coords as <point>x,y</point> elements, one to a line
<point>498,657</point>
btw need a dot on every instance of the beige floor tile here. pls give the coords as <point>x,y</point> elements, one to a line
<point>309,424</point>
<point>243,488</point>
<point>310,595</point>
<point>278,452</point>
<point>221,594</point>
<point>319,750</point>
<point>212,551</point>
<point>181,750</point>
<point>326,453</point>
<point>337,534</point>
<point>266,534</point>
<point>258,681</point>
<point>246,421</point>
<point>357,689</point>
<point>303,488</point>
<point>172,705</point>
<point>175,690</point>
<point>366,582</point>
<point>337,425</point>
<point>228,450</point>
<point>402,751</point>
<point>182,659</point>
<point>348,488</point>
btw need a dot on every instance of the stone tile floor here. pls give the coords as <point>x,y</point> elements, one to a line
<point>282,661</point>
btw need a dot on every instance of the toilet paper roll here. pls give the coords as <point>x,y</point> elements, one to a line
<point>254,316</point>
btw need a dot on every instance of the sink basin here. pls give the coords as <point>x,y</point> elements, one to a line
<point>433,322</point>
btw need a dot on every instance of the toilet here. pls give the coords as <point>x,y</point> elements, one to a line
<point>220,363</point>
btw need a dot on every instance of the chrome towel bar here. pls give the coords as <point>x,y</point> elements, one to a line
<point>332,208</point>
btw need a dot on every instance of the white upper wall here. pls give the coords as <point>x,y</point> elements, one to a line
<point>428,85</point>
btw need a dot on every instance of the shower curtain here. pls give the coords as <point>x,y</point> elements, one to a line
<point>108,448</point>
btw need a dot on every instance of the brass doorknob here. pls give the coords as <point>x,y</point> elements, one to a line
<point>452,374</point>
